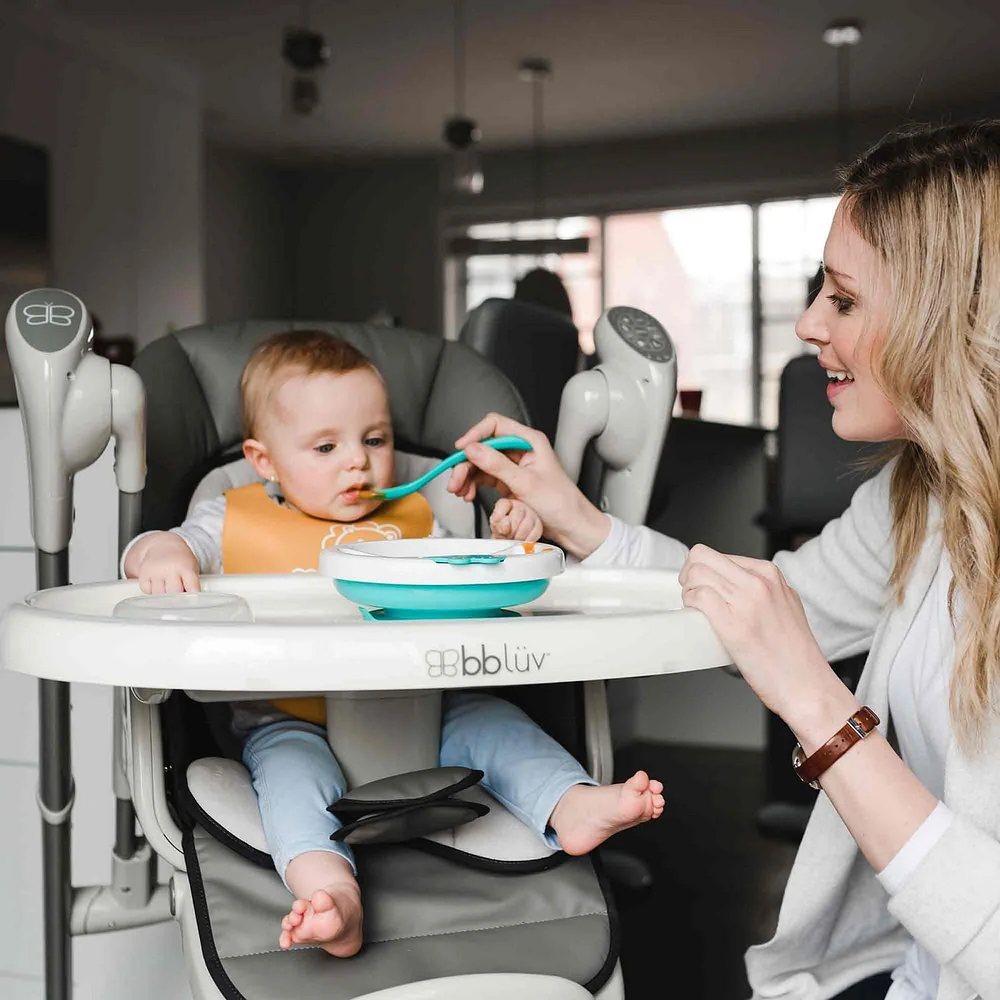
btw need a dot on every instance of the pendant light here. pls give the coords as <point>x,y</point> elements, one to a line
<point>842,36</point>
<point>537,73</point>
<point>461,133</point>
<point>306,52</point>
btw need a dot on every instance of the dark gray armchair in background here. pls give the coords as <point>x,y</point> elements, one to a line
<point>816,472</point>
<point>536,348</point>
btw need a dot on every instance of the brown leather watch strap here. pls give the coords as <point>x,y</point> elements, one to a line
<point>857,727</point>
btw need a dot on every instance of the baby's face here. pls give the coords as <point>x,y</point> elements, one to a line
<point>327,437</point>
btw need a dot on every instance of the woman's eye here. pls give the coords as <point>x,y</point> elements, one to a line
<point>324,449</point>
<point>843,305</point>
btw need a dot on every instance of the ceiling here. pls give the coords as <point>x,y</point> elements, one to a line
<point>620,67</point>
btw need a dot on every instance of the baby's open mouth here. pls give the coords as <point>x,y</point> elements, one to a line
<point>353,493</point>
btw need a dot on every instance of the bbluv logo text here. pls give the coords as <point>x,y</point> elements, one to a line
<point>483,661</point>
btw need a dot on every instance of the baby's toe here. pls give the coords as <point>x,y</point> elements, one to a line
<point>638,783</point>
<point>321,901</point>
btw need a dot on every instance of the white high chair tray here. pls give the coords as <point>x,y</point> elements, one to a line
<point>305,637</point>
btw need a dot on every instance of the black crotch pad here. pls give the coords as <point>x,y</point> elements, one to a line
<point>406,806</point>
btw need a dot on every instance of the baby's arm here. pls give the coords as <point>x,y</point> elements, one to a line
<point>515,520</point>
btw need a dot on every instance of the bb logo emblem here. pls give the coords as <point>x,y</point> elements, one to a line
<point>43,313</point>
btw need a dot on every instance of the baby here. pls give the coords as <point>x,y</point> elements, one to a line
<point>318,432</point>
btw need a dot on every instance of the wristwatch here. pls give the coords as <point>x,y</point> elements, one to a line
<point>857,727</point>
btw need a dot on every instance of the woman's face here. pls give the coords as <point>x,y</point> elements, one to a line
<point>847,314</point>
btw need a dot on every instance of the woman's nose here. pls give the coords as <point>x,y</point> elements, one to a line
<point>811,327</point>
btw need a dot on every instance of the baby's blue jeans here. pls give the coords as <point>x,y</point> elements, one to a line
<point>296,776</point>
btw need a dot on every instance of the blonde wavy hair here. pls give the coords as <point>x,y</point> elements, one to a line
<point>928,200</point>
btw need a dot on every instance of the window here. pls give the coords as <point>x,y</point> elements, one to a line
<point>694,269</point>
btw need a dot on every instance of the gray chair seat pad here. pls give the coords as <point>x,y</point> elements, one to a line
<point>425,917</point>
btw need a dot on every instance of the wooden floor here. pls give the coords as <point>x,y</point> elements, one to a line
<point>717,883</point>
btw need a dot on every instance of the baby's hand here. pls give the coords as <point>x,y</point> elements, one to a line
<point>516,521</point>
<point>163,565</point>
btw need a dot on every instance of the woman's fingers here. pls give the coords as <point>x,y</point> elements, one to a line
<point>485,428</point>
<point>497,425</point>
<point>709,602</point>
<point>702,555</point>
<point>496,465</point>
<point>701,574</point>
<point>759,567</point>
<point>461,481</point>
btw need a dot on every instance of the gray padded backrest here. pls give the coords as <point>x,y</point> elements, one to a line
<point>817,472</point>
<point>536,348</point>
<point>437,390</point>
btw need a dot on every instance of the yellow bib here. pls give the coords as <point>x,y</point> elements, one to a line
<point>261,536</point>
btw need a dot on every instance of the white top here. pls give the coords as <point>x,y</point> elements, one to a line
<point>835,927</point>
<point>918,704</point>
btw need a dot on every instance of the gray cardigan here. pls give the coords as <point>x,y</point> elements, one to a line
<point>837,925</point>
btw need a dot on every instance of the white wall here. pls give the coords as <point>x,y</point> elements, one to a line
<point>124,135</point>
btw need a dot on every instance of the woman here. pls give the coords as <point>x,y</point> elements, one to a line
<point>899,868</point>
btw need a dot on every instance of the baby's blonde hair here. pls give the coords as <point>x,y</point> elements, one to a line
<point>928,200</point>
<point>294,352</point>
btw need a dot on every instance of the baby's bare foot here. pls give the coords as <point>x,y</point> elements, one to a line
<point>331,918</point>
<point>588,814</point>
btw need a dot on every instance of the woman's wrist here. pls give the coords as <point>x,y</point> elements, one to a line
<point>587,528</point>
<point>820,715</point>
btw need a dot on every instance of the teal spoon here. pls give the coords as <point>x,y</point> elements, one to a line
<point>507,443</point>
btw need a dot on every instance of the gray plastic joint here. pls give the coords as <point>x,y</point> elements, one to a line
<point>132,879</point>
<point>97,910</point>
<point>56,817</point>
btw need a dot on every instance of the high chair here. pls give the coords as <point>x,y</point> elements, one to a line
<point>485,908</point>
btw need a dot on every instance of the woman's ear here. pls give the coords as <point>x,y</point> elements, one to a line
<point>256,454</point>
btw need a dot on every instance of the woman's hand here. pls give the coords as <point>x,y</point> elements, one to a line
<point>534,477</point>
<point>515,521</point>
<point>763,626</point>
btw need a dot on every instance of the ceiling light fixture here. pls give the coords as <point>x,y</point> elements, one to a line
<point>536,72</point>
<point>461,133</point>
<point>306,52</point>
<point>842,36</point>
